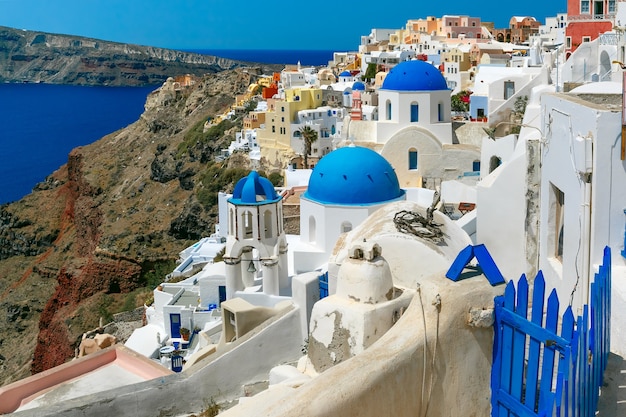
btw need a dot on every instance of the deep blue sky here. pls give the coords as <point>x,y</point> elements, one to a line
<point>232,24</point>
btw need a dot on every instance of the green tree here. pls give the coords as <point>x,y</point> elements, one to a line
<point>370,72</point>
<point>309,135</point>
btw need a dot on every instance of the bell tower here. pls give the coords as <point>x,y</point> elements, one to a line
<point>256,246</point>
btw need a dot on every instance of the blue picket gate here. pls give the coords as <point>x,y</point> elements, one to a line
<point>541,370</point>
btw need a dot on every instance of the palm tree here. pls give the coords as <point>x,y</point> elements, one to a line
<point>309,135</point>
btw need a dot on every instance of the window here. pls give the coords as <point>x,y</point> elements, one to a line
<point>388,110</point>
<point>476,165</point>
<point>267,220</point>
<point>415,110</point>
<point>509,89</point>
<point>568,42</point>
<point>246,218</point>
<point>440,112</point>
<point>556,222</point>
<point>412,158</point>
<point>612,8</point>
<point>586,38</point>
<point>232,230</point>
<point>346,227</point>
<point>494,163</point>
<point>273,129</point>
<point>282,119</point>
<point>312,229</point>
<point>584,6</point>
<point>598,7</point>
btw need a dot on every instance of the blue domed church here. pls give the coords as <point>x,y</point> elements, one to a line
<point>414,93</point>
<point>414,129</point>
<point>345,187</point>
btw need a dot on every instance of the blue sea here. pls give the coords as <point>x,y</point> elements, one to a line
<point>40,124</point>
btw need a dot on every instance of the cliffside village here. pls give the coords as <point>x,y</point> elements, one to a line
<point>432,166</point>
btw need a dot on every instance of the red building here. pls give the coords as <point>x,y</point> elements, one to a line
<point>588,19</point>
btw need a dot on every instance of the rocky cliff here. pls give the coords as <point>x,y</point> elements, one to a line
<point>28,56</point>
<point>98,234</point>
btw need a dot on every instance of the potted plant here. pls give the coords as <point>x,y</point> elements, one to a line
<point>184,333</point>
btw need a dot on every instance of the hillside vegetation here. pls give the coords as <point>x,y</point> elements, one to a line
<point>97,234</point>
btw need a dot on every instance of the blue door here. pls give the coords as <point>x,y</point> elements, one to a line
<point>175,325</point>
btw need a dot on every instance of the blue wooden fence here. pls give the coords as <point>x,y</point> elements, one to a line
<point>540,369</point>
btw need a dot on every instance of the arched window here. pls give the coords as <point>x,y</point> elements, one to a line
<point>267,222</point>
<point>246,221</point>
<point>346,227</point>
<point>415,112</point>
<point>231,225</point>
<point>412,158</point>
<point>312,230</point>
<point>494,163</point>
<point>388,105</point>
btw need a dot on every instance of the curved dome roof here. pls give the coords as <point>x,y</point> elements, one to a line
<point>353,176</point>
<point>345,74</point>
<point>358,85</point>
<point>254,190</point>
<point>414,76</point>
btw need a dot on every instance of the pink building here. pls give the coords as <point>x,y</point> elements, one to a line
<point>454,26</point>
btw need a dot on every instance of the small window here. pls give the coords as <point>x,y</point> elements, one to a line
<point>494,163</point>
<point>412,159</point>
<point>440,112</point>
<point>509,89</point>
<point>415,112</point>
<point>476,165</point>
<point>388,110</point>
<point>568,42</point>
<point>584,6</point>
<point>586,38</point>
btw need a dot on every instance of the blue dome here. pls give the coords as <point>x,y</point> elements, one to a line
<point>254,190</point>
<point>358,85</point>
<point>414,76</point>
<point>345,74</point>
<point>353,176</point>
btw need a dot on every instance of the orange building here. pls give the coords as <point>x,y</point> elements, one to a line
<point>522,27</point>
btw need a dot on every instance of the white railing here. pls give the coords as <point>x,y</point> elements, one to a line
<point>591,18</point>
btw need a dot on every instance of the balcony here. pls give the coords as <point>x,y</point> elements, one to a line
<point>591,18</point>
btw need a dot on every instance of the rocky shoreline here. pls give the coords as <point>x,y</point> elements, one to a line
<point>90,240</point>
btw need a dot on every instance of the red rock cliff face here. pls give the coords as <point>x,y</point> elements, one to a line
<point>90,272</point>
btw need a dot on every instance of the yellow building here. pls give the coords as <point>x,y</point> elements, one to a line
<point>275,138</point>
<point>458,55</point>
